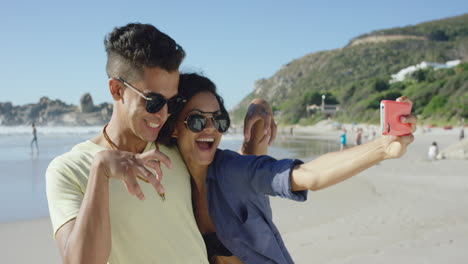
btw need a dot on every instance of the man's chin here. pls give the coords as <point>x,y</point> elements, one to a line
<point>150,138</point>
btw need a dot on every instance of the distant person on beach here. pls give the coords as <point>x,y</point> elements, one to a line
<point>433,151</point>
<point>343,140</point>
<point>359,136</point>
<point>89,189</point>
<point>462,134</point>
<point>34,139</point>
<point>229,191</point>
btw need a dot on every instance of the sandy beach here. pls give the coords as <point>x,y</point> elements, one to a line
<point>408,210</point>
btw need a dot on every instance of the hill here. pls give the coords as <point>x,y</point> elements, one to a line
<point>357,76</point>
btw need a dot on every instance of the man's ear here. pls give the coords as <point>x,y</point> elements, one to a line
<point>115,88</point>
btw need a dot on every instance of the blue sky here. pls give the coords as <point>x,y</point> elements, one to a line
<point>55,48</point>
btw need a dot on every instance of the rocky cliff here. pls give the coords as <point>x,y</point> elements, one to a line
<point>55,112</point>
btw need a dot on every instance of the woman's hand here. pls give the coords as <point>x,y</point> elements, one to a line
<point>395,146</point>
<point>260,110</point>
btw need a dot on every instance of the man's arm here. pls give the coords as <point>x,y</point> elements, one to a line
<point>87,238</point>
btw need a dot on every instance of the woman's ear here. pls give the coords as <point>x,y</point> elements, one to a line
<point>115,89</point>
<point>174,133</point>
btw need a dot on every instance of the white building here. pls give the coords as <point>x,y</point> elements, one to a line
<point>401,75</point>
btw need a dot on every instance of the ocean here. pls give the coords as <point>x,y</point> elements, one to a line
<point>22,188</point>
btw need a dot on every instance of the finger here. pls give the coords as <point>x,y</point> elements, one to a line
<point>154,179</point>
<point>158,156</point>
<point>144,173</point>
<point>157,175</point>
<point>159,188</point>
<point>263,139</point>
<point>404,99</point>
<point>409,119</point>
<point>413,128</point>
<point>267,123</point>
<point>248,124</point>
<point>406,140</point>
<point>164,159</point>
<point>401,98</point>
<point>133,187</point>
<point>156,166</point>
<point>274,129</point>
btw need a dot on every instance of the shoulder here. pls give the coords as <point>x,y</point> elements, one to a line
<point>169,150</point>
<point>230,161</point>
<point>223,160</point>
<point>178,164</point>
<point>224,157</point>
<point>74,162</point>
<point>173,153</point>
<point>226,154</point>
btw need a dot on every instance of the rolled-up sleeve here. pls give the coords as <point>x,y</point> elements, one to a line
<point>265,174</point>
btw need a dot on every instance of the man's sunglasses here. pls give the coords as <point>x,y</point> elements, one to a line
<point>197,122</point>
<point>154,102</point>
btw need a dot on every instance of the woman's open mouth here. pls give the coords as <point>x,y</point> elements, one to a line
<point>205,143</point>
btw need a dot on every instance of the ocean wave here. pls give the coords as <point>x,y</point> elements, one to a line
<point>76,130</point>
<point>46,130</point>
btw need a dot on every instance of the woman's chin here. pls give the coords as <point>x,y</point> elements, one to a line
<point>205,159</point>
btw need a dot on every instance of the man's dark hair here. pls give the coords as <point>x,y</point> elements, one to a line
<point>189,86</point>
<point>133,47</point>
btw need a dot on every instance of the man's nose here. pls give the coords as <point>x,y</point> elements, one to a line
<point>163,112</point>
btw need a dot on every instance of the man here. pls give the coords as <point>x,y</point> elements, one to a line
<point>34,140</point>
<point>95,220</point>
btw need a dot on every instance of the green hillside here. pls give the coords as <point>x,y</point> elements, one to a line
<point>357,76</point>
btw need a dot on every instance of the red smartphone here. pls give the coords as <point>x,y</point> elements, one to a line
<point>390,113</point>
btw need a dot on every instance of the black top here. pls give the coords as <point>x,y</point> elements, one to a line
<point>214,247</point>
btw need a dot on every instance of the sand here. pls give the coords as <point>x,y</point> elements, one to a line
<point>28,242</point>
<point>408,210</point>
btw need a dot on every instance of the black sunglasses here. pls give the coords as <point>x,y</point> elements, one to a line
<point>197,122</point>
<point>154,102</point>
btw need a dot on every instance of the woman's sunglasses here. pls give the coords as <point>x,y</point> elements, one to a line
<point>197,122</point>
<point>154,102</point>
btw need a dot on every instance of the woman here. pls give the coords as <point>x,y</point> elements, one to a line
<point>229,191</point>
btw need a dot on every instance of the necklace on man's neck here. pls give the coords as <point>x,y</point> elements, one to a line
<point>113,146</point>
<point>106,137</point>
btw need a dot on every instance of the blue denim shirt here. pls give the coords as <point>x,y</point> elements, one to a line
<point>237,191</point>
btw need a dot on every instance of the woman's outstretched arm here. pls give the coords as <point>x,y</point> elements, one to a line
<point>335,167</point>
